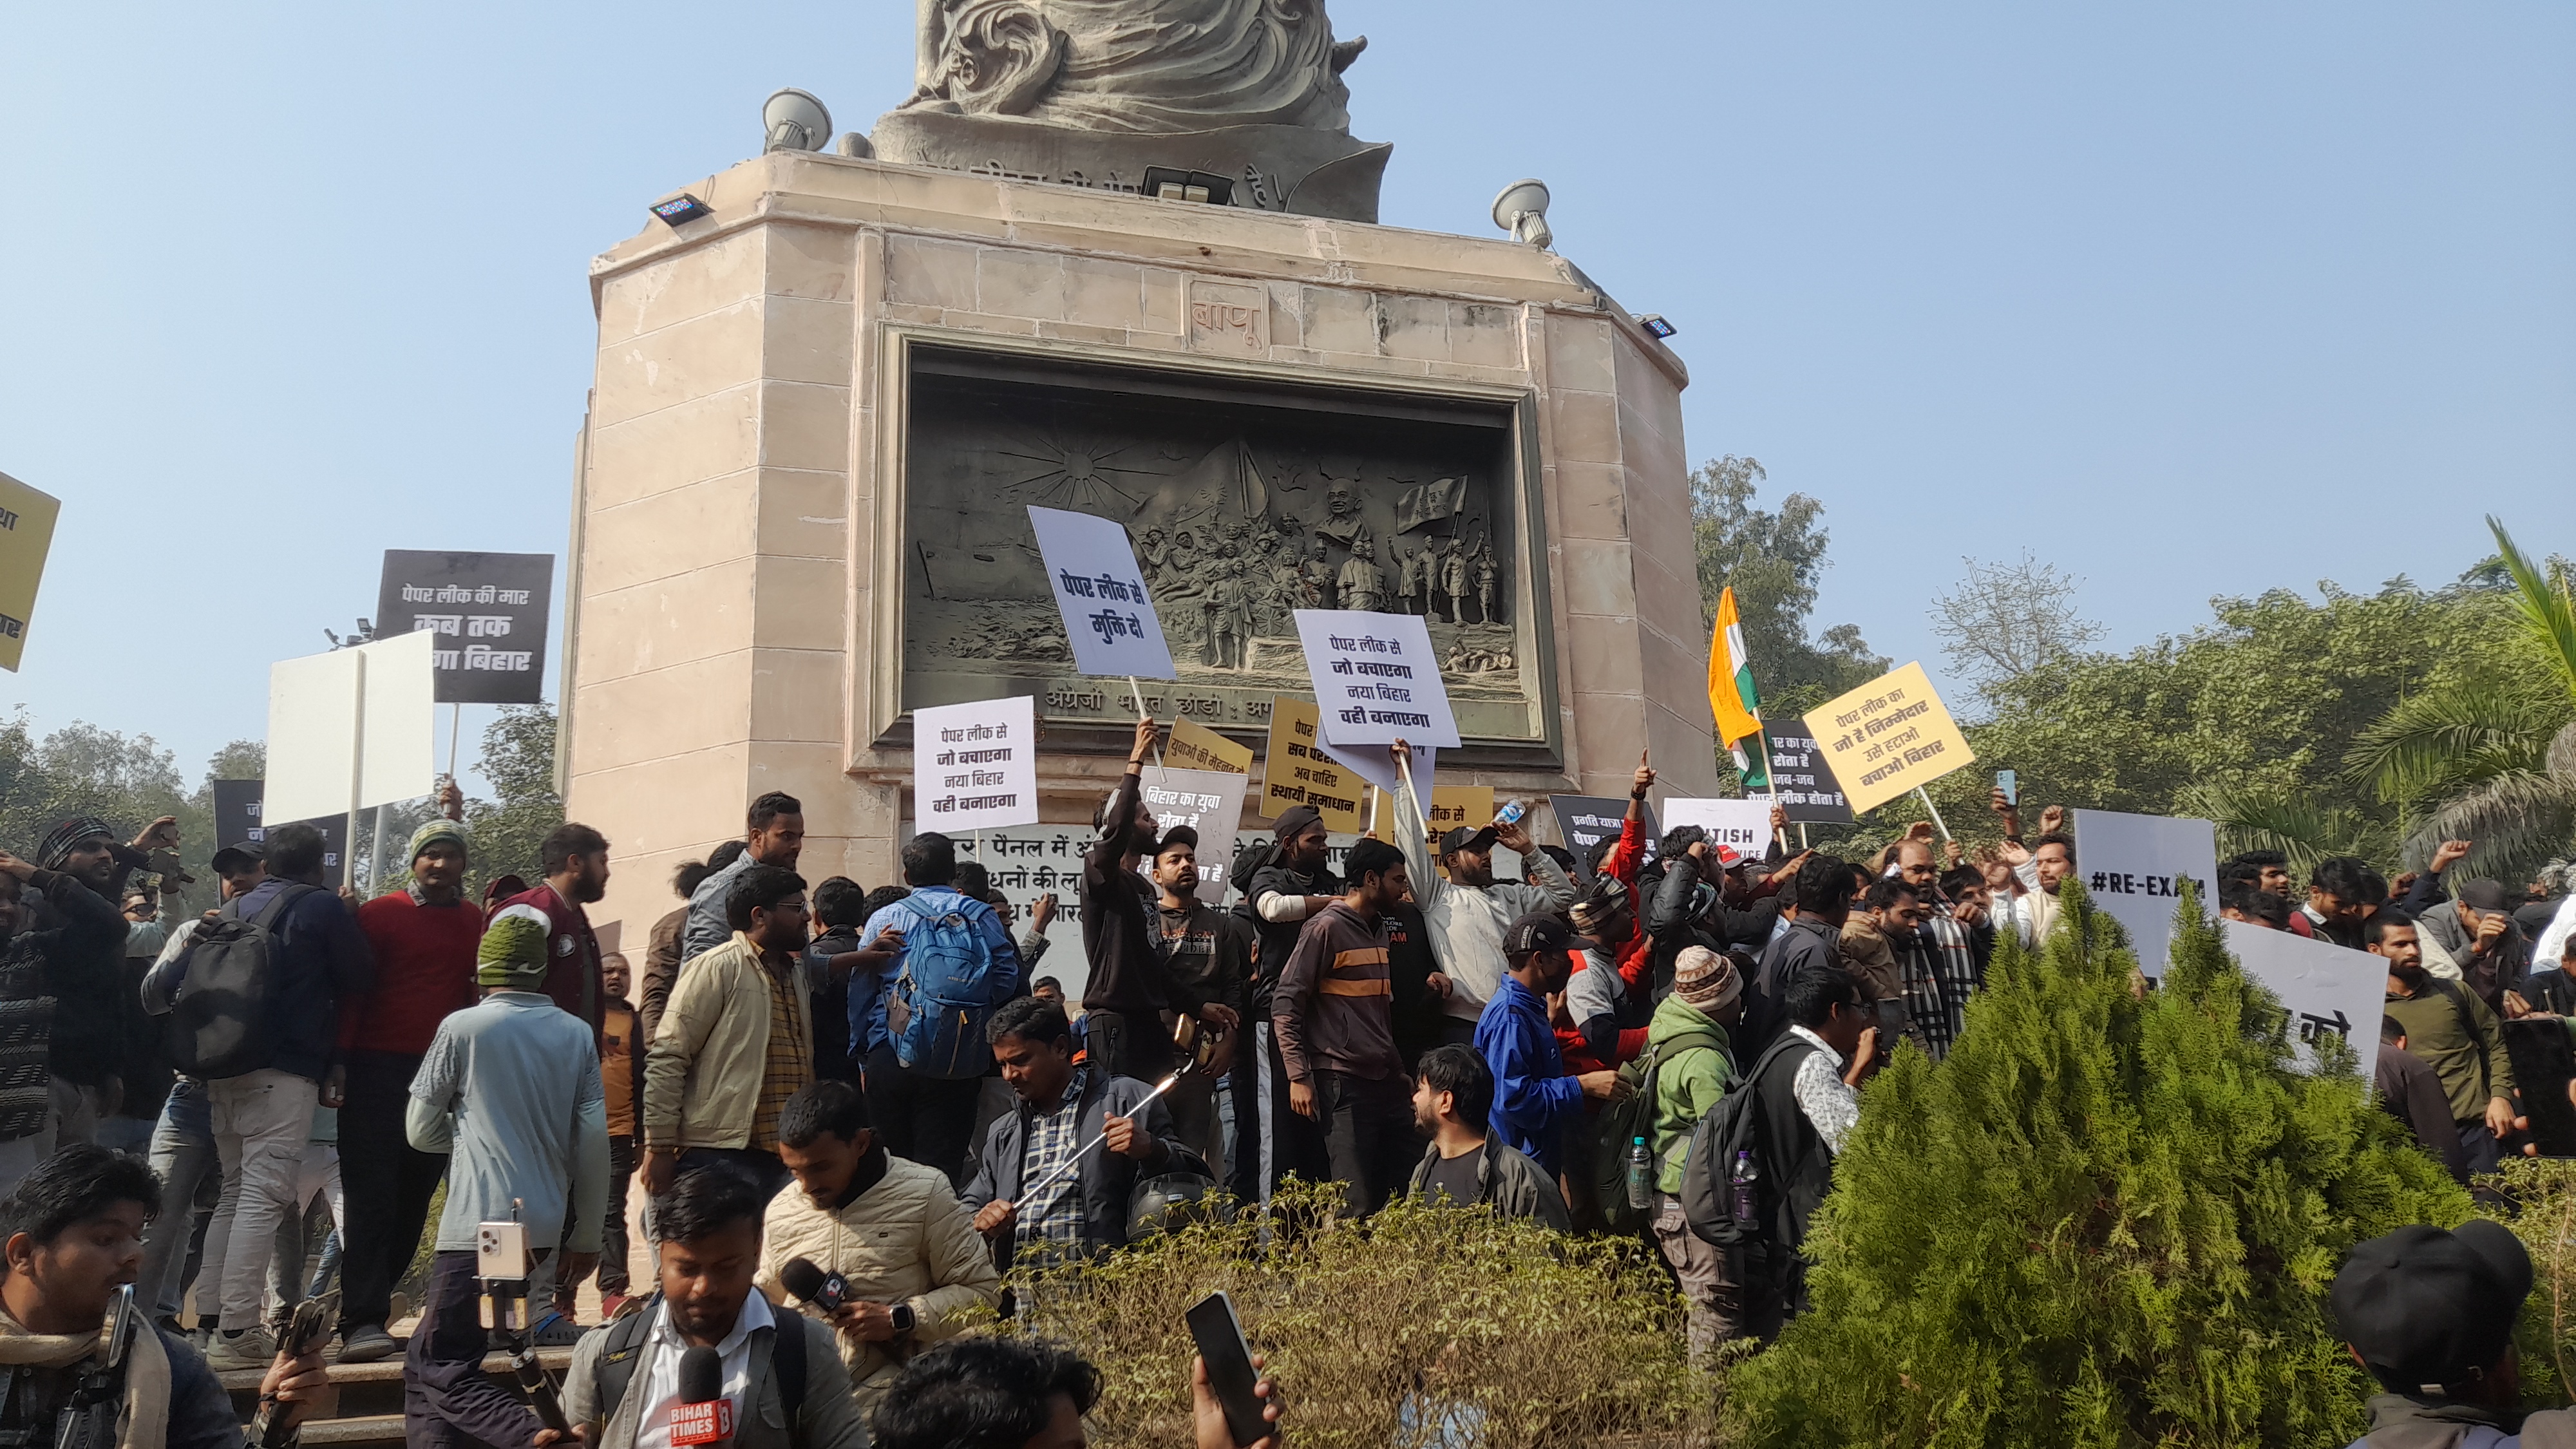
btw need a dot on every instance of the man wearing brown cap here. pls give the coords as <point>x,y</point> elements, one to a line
<point>1694,1067</point>
<point>2430,1314</point>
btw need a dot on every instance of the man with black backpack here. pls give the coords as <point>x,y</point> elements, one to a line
<point>1693,1065</point>
<point>255,1016</point>
<point>917,1021</point>
<point>781,1371</point>
<point>2454,1033</point>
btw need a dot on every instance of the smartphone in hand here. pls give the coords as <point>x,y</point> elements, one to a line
<point>2011,786</point>
<point>1229,1365</point>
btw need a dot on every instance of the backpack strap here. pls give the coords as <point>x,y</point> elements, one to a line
<point>787,1363</point>
<point>616,1365</point>
<point>267,918</point>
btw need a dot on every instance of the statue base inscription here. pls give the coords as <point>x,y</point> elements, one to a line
<point>1273,168</point>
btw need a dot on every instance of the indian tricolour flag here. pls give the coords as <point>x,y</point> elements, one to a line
<point>1732,697</point>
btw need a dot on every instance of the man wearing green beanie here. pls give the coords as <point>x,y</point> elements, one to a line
<point>424,936</point>
<point>511,1089</point>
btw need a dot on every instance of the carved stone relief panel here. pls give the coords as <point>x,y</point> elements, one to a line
<point>1246,500</point>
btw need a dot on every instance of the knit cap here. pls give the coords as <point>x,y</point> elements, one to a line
<point>441,831</point>
<point>1705,980</point>
<point>513,953</point>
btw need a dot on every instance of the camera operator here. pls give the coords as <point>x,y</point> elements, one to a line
<point>72,1235</point>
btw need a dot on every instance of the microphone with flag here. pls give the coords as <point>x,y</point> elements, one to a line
<point>810,1284</point>
<point>703,1415</point>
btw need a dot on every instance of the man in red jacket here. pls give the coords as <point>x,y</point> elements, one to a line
<point>424,937</point>
<point>575,858</point>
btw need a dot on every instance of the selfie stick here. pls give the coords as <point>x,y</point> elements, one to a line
<point>1188,1064</point>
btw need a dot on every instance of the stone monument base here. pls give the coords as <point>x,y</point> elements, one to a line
<point>1274,168</point>
<point>768,491</point>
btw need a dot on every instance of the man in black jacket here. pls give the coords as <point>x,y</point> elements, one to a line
<point>85,964</point>
<point>1806,1103</point>
<point>30,1000</point>
<point>1036,1187</point>
<point>1282,884</point>
<point>1813,943</point>
<point>1131,984</point>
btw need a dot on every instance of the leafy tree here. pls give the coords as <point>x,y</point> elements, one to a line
<point>519,760</point>
<point>2105,1219</point>
<point>2006,619</point>
<point>2490,756</point>
<point>1773,561</point>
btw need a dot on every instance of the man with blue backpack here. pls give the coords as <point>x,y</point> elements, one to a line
<point>917,1021</point>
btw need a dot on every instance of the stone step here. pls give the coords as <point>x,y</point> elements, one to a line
<point>371,1429</point>
<point>368,1391</point>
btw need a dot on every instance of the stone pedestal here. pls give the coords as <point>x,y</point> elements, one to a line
<point>737,586</point>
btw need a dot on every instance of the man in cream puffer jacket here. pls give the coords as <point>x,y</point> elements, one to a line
<point>894,1230</point>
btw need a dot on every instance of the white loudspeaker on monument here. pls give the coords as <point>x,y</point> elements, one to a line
<point>795,121</point>
<point>1522,211</point>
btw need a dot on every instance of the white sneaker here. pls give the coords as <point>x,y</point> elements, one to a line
<point>251,1348</point>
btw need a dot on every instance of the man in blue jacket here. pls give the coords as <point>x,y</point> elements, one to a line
<point>922,1118</point>
<point>1535,1103</point>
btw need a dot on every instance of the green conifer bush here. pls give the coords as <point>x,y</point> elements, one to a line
<point>2102,1221</point>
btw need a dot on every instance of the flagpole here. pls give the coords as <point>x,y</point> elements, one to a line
<point>1925,796</point>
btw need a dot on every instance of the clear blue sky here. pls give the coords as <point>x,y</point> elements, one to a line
<point>2187,298</point>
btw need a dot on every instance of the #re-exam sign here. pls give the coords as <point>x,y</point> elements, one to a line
<point>1887,737</point>
<point>488,611</point>
<point>2135,868</point>
<point>975,766</point>
<point>1091,567</point>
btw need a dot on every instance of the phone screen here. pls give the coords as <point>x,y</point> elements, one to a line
<point>1229,1365</point>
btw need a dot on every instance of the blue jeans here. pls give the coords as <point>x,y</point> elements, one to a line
<point>183,1152</point>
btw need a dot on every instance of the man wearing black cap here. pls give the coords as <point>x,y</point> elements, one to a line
<point>1535,1102</point>
<point>85,963</point>
<point>1466,910</point>
<point>2430,1314</point>
<point>2477,934</point>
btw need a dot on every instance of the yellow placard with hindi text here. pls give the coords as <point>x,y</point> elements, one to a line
<point>1887,737</point>
<point>1193,746</point>
<point>1451,806</point>
<point>26,534</point>
<point>1297,773</point>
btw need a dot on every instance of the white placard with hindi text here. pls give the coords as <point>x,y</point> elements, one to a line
<point>975,766</point>
<point>1091,568</point>
<point>1376,680</point>
<point>1208,802</point>
<point>1743,826</point>
<point>2329,989</point>
<point>1376,763</point>
<point>2135,868</point>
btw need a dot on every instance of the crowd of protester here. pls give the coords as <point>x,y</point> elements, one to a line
<point>875,1089</point>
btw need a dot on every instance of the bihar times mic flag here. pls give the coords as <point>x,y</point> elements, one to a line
<point>1732,699</point>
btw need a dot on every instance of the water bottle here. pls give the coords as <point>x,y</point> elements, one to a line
<point>1641,1175</point>
<point>1511,813</point>
<point>1743,1178</point>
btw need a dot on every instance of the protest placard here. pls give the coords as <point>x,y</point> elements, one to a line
<point>237,820</point>
<point>1193,746</point>
<point>1743,826</point>
<point>26,535</point>
<point>1297,772</point>
<point>1803,782</point>
<point>1209,802</point>
<point>1451,807</point>
<point>975,766</point>
<point>1376,679</point>
<point>2135,868</point>
<point>1887,737</point>
<point>2328,989</point>
<point>1091,567</point>
<point>350,728</point>
<point>1376,763</point>
<point>487,612</point>
<point>1587,820</point>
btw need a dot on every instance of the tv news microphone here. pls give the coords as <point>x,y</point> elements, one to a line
<point>704,1415</point>
<point>810,1284</point>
